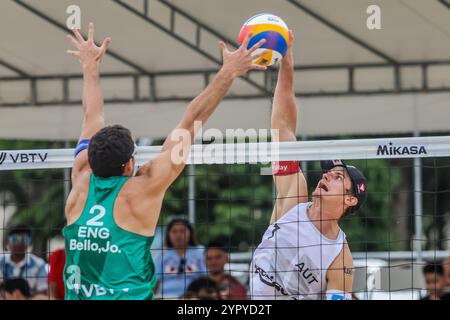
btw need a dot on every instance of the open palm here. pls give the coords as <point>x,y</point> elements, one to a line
<point>88,52</point>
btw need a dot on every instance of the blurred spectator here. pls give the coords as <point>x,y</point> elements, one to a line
<point>447,273</point>
<point>446,280</point>
<point>216,259</point>
<point>19,263</point>
<point>202,288</point>
<point>433,274</point>
<point>188,296</point>
<point>57,261</point>
<point>180,262</point>
<point>18,289</point>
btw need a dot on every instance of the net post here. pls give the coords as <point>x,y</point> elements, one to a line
<point>66,176</point>
<point>418,223</point>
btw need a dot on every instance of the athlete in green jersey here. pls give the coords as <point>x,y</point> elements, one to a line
<point>111,214</point>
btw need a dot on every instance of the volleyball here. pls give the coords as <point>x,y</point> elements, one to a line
<point>274,30</point>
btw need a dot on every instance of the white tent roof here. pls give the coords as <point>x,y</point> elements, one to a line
<point>328,33</point>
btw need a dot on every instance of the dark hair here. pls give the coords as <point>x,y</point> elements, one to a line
<point>13,284</point>
<point>109,150</point>
<point>216,244</point>
<point>192,240</point>
<point>433,268</point>
<point>202,283</point>
<point>18,229</point>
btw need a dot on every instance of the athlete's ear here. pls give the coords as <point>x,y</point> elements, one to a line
<point>129,167</point>
<point>351,201</point>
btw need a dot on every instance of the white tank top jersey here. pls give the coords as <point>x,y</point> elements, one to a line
<point>292,260</point>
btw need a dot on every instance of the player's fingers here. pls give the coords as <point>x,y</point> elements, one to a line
<point>78,35</point>
<point>73,53</point>
<point>256,46</point>
<point>74,42</point>
<point>91,32</point>
<point>105,44</point>
<point>258,67</point>
<point>259,54</point>
<point>246,40</point>
<point>224,47</point>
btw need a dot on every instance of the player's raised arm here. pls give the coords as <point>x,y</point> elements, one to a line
<point>289,180</point>
<point>169,164</point>
<point>90,57</point>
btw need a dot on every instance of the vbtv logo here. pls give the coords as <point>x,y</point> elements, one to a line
<point>2,157</point>
<point>31,157</point>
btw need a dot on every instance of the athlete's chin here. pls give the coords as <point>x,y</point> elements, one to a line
<point>319,193</point>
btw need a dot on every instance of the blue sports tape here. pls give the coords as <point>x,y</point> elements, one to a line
<point>82,145</point>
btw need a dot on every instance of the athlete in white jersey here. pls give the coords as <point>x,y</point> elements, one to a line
<point>304,253</point>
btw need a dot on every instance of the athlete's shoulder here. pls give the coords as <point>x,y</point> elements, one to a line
<point>78,194</point>
<point>82,180</point>
<point>300,206</point>
<point>296,208</point>
<point>145,180</point>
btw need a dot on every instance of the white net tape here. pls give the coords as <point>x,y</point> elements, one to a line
<point>414,147</point>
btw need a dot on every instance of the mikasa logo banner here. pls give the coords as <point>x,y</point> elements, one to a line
<point>390,149</point>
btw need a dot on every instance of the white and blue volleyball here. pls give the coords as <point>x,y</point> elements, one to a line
<point>274,30</point>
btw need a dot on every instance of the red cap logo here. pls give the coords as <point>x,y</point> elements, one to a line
<point>361,187</point>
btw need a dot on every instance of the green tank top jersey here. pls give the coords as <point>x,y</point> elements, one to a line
<point>104,261</point>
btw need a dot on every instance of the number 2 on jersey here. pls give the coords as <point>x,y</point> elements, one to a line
<point>93,221</point>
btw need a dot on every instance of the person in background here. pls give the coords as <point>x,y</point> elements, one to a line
<point>433,274</point>
<point>446,280</point>
<point>20,263</point>
<point>18,289</point>
<point>446,267</point>
<point>216,259</point>
<point>57,262</point>
<point>202,288</point>
<point>180,262</point>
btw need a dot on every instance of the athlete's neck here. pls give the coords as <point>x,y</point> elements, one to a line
<point>323,220</point>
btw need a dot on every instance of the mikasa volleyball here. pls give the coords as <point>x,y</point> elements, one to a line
<point>274,30</point>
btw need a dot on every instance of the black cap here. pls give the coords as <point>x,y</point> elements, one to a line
<point>359,181</point>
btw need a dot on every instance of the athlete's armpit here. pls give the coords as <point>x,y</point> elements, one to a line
<point>348,271</point>
<point>340,273</point>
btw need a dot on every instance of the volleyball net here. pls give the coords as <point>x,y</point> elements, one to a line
<point>227,193</point>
